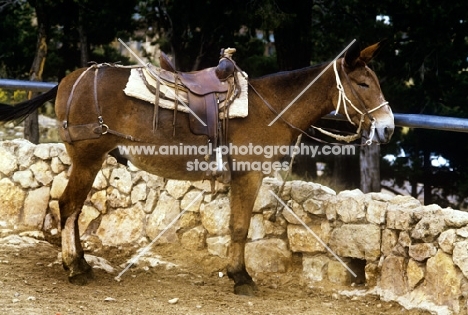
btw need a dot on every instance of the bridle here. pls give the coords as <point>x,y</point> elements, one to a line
<point>342,99</point>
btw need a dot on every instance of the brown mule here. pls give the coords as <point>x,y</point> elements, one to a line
<point>109,109</point>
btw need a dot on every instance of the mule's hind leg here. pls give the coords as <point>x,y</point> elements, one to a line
<point>84,168</point>
<point>244,189</point>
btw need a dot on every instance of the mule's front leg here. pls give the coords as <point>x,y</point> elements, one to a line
<point>244,189</point>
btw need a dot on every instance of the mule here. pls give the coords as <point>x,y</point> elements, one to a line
<point>132,121</point>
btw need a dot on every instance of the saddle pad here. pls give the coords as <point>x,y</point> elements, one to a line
<point>136,88</point>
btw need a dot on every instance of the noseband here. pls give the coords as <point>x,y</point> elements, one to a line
<point>342,98</point>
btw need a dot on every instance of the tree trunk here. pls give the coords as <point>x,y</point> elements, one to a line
<point>31,123</point>
<point>370,168</point>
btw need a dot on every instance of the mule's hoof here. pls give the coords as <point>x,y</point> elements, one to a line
<point>245,289</point>
<point>81,278</point>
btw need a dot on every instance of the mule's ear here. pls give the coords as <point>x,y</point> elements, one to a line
<point>352,55</point>
<point>368,53</point>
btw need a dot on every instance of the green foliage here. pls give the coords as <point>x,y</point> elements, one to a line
<point>18,40</point>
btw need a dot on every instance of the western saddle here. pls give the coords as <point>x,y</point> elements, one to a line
<point>206,90</point>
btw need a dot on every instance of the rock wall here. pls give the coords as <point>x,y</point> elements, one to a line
<point>399,249</point>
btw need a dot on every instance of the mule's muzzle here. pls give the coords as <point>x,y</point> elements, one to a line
<point>383,131</point>
<point>384,134</point>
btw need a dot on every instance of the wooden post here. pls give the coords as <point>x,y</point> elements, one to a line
<point>370,168</point>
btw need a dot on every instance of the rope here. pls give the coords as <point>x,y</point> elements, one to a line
<point>342,98</point>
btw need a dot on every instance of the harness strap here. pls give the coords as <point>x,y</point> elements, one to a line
<point>67,110</point>
<point>156,106</point>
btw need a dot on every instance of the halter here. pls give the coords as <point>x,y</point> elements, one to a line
<point>342,98</point>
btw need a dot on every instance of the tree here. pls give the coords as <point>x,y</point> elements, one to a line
<point>31,123</point>
<point>427,75</point>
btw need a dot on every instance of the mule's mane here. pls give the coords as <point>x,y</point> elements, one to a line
<point>292,72</point>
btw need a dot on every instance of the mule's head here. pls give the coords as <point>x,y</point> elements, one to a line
<point>366,106</point>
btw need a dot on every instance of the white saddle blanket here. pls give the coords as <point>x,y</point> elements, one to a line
<point>136,87</point>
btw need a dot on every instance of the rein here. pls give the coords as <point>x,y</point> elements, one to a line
<point>342,98</point>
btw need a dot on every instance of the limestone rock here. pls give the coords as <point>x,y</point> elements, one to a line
<point>350,206</point>
<point>398,218</point>
<point>166,211</point>
<point>404,239</point>
<point>422,251</point>
<point>87,215</point>
<point>295,214</point>
<point>11,201</point>
<point>389,240</point>
<point>265,200</point>
<point>215,216</point>
<point>406,202</point>
<point>25,179</point>
<point>192,200</point>
<point>276,228</point>
<point>301,240</point>
<point>202,185</point>
<point>301,191</point>
<point>138,193</point>
<point>58,185</point>
<point>24,154</point>
<point>177,188</point>
<point>455,218</point>
<point>376,212</point>
<point>189,219</point>
<point>56,165</point>
<point>429,227</point>
<point>446,240</point>
<point>337,273</point>
<point>460,256</point>
<point>257,228</point>
<point>42,172</point>
<point>121,226</point>
<point>8,162</point>
<point>314,268</point>
<point>117,199</point>
<point>100,181</point>
<point>320,197</point>
<point>268,255</point>
<point>219,245</point>
<point>63,156</point>
<point>151,201</point>
<point>42,150</point>
<point>35,207</point>
<point>121,179</point>
<point>194,239</point>
<point>99,200</point>
<point>356,241</point>
<point>393,275</point>
<point>443,281</point>
<point>415,273</point>
<point>372,274</point>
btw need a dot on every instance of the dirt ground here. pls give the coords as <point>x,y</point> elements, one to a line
<point>32,281</point>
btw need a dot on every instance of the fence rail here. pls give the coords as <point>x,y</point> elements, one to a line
<point>402,120</point>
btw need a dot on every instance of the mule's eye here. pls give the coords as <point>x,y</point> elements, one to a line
<point>363,85</point>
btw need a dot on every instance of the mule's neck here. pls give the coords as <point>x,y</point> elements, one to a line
<point>281,88</point>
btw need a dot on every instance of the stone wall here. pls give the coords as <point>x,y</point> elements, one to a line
<point>399,249</point>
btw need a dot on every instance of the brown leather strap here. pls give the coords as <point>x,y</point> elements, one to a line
<point>156,107</point>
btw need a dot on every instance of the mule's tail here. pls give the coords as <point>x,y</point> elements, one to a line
<point>23,109</point>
